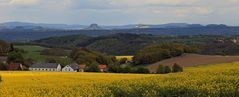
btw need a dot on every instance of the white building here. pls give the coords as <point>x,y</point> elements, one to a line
<point>45,67</point>
<point>71,68</point>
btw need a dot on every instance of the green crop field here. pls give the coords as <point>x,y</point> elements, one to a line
<point>33,51</point>
<point>218,80</point>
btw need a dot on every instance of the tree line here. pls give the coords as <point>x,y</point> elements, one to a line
<point>158,52</point>
<point>92,58</point>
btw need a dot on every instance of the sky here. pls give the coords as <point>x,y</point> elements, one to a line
<point>121,12</point>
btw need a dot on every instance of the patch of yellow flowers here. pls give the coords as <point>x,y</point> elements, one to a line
<point>221,80</point>
<point>129,58</point>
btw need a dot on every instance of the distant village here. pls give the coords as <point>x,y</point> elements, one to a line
<point>50,67</point>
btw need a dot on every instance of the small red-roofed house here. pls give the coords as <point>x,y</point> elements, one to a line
<point>82,67</point>
<point>102,67</point>
<point>15,66</point>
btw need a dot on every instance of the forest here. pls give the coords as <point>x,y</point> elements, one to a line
<point>129,44</point>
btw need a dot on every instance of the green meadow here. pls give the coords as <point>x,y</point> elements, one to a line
<point>33,52</point>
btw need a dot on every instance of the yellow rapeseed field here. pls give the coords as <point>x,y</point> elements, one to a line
<point>221,80</point>
<point>129,58</point>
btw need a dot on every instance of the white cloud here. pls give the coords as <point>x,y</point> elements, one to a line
<point>128,11</point>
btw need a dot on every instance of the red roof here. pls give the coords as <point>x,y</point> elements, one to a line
<point>15,66</point>
<point>102,66</point>
<point>82,66</point>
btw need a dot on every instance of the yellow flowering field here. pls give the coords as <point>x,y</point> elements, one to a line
<point>129,58</point>
<point>220,80</point>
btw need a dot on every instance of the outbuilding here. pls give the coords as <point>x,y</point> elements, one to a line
<point>71,68</point>
<point>45,67</point>
<point>15,66</point>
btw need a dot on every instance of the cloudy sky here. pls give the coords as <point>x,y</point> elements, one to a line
<point>119,12</point>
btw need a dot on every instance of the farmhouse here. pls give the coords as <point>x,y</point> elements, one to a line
<point>71,68</point>
<point>102,67</point>
<point>82,67</point>
<point>15,66</point>
<point>45,67</point>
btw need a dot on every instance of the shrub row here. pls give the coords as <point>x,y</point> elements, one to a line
<point>166,69</point>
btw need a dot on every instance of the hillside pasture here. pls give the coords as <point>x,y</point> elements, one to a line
<point>33,52</point>
<point>216,80</point>
<point>194,60</point>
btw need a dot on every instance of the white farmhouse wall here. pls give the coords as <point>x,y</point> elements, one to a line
<point>43,69</point>
<point>59,67</point>
<point>68,69</point>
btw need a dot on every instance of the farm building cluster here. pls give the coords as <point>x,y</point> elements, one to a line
<point>55,67</point>
<point>51,67</point>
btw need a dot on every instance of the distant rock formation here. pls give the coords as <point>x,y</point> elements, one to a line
<point>94,27</point>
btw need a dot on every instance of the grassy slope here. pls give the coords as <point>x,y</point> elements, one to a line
<point>194,60</point>
<point>33,51</point>
<point>202,81</point>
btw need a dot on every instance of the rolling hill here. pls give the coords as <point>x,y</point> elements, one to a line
<point>194,60</point>
<point>128,44</point>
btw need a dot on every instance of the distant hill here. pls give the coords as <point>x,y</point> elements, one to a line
<point>93,27</point>
<point>26,25</point>
<point>194,60</point>
<point>22,32</point>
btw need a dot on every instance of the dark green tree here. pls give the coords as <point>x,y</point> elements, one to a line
<point>161,69</point>
<point>93,67</point>
<point>167,69</point>
<point>127,69</point>
<point>15,57</point>
<point>177,68</point>
<point>87,56</point>
<point>114,68</point>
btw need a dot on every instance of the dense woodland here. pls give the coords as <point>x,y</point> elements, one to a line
<point>146,48</point>
<point>129,44</point>
<point>158,52</point>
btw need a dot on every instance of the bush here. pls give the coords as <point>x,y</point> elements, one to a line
<point>163,69</point>
<point>167,69</point>
<point>142,70</point>
<point>127,69</point>
<point>177,68</point>
<point>3,66</point>
<point>114,68</point>
<point>92,68</point>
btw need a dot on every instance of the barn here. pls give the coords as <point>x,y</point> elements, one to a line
<point>71,68</point>
<point>45,67</point>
